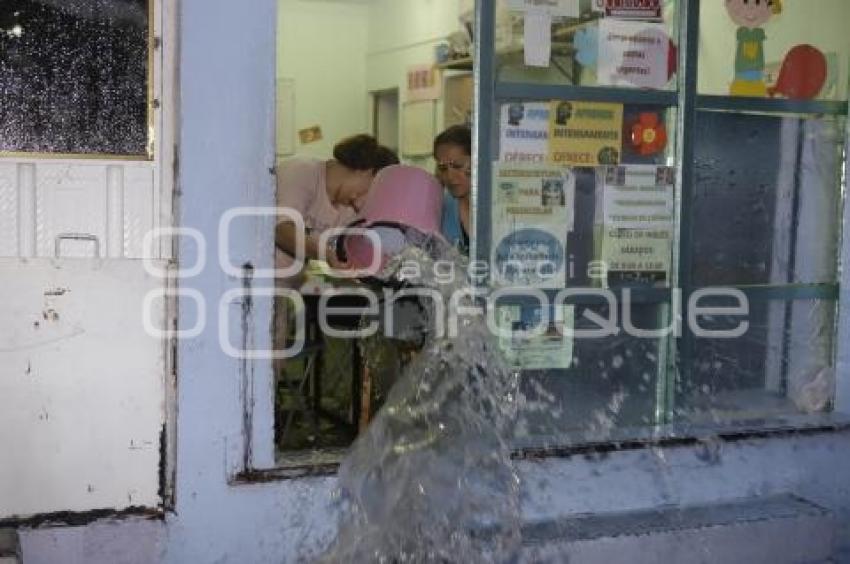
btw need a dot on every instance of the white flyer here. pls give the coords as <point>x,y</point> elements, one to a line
<point>551,348</point>
<point>533,211</point>
<point>537,43</point>
<point>632,53</point>
<point>638,205</point>
<point>638,196</point>
<point>524,132</point>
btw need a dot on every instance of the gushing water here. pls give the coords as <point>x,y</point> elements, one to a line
<point>431,480</point>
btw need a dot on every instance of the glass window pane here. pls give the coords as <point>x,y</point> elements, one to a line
<point>611,383</point>
<point>768,191</point>
<point>74,76</point>
<point>765,210</point>
<point>590,50</point>
<point>782,365</point>
<point>802,51</point>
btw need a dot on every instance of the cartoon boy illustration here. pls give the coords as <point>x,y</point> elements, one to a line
<point>749,55</point>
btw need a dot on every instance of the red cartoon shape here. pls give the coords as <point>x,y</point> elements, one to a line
<point>672,59</point>
<point>802,75</point>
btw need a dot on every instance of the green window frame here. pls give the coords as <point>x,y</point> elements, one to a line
<point>676,365</point>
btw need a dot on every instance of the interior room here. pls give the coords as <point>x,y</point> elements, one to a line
<point>402,72</point>
<point>361,77</point>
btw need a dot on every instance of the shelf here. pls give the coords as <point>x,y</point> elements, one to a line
<point>771,105</point>
<point>570,30</point>
<point>464,64</point>
<point>530,91</point>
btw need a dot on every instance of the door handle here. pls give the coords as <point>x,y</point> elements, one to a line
<point>76,237</point>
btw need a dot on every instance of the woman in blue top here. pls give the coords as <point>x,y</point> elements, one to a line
<point>453,153</point>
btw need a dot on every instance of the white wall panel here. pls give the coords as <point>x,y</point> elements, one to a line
<point>27,210</point>
<point>8,210</point>
<point>71,200</point>
<point>115,211</point>
<point>81,387</point>
<point>109,207</point>
<point>139,206</point>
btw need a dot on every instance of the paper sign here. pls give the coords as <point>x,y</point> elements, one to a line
<point>538,39</point>
<point>551,349</point>
<point>533,211</point>
<point>310,134</point>
<point>637,250</point>
<point>638,219</point>
<point>565,8</point>
<point>423,83</point>
<point>638,196</point>
<point>585,133</point>
<point>633,9</point>
<point>524,132</point>
<point>632,54</point>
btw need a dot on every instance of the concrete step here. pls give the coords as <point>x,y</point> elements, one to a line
<point>783,529</point>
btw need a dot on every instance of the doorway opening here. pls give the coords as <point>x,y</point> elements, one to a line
<point>385,124</point>
<point>344,69</point>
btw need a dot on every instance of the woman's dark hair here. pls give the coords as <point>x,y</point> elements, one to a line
<point>362,152</point>
<point>459,135</point>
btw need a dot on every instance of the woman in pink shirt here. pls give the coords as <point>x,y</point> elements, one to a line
<point>326,193</point>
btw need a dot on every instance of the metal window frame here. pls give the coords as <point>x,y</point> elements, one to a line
<point>489,92</point>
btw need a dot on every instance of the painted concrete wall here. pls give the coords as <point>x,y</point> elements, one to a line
<point>338,52</point>
<point>225,151</point>
<point>403,33</point>
<point>322,45</point>
<point>292,521</point>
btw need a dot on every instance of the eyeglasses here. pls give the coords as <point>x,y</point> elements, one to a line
<point>461,167</point>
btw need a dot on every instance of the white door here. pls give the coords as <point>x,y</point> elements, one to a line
<point>82,379</point>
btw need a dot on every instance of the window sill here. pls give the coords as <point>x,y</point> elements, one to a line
<point>771,105</point>
<point>326,463</point>
<point>678,435</point>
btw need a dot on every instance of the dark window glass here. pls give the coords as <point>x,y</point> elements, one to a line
<point>782,365</point>
<point>767,191</point>
<point>74,76</point>
<point>611,382</point>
